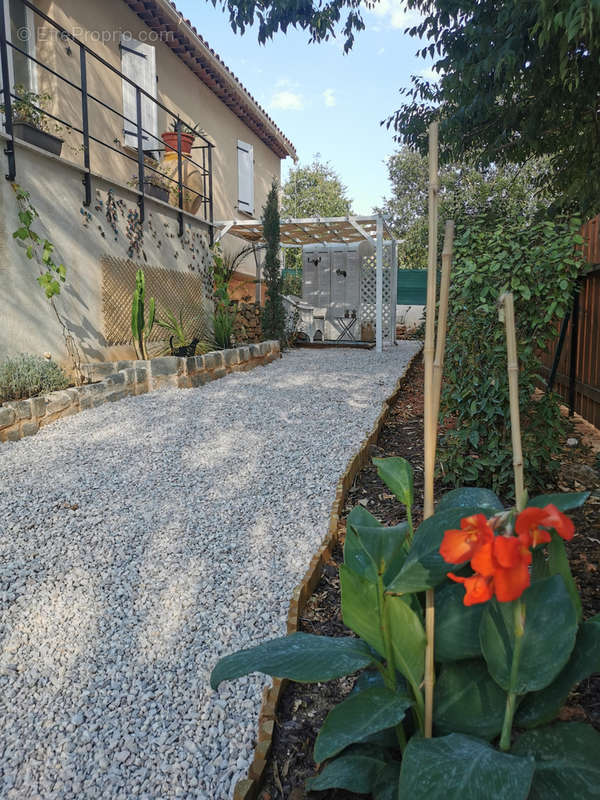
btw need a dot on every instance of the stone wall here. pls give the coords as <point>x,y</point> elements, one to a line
<point>118,379</point>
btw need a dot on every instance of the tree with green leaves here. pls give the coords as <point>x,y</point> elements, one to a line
<point>314,190</point>
<point>273,317</point>
<point>311,190</point>
<point>496,193</point>
<point>517,79</point>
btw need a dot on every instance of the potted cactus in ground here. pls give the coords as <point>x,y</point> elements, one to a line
<point>141,328</point>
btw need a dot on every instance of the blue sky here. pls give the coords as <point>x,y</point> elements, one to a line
<point>324,101</point>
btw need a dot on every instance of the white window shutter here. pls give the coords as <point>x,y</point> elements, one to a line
<point>138,62</point>
<point>245,177</point>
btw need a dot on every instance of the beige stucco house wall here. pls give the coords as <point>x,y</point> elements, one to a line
<point>85,236</point>
<point>100,26</point>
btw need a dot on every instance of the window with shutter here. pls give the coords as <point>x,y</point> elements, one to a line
<point>245,177</point>
<point>138,62</point>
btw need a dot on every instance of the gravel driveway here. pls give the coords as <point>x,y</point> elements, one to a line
<point>141,540</point>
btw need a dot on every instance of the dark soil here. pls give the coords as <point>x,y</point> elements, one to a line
<point>303,707</point>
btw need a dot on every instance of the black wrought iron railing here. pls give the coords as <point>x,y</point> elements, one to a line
<point>201,167</point>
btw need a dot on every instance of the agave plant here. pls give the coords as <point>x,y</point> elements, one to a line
<point>139,327</point>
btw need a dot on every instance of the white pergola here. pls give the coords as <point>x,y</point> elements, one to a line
<point>326,231</point>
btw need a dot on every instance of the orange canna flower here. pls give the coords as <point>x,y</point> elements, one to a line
<point>461,545</point>
<point>511,575</point>
<point>479,588</point>
<point>532,524</point>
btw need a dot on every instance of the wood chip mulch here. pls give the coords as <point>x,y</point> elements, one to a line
<point>303,707</point>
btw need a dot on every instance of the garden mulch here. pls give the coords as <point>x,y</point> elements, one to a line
<point>303,707</point>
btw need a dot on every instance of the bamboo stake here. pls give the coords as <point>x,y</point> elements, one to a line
<point>430,428</point>
<point>440,344</point>
<point>508,307</point>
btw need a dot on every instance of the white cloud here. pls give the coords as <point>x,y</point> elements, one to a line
<point>430,74</point>
<point>329,98</point>
<point>395,14</point>
<point>287,101</point>
<point>381,51</point>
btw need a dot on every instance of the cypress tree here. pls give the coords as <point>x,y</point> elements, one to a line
<point>273,316</point>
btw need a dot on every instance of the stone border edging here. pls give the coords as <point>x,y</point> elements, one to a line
<point>248,788</point>
<point>118,379</point>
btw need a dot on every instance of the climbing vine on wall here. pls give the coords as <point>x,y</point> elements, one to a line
<point>37,247</point>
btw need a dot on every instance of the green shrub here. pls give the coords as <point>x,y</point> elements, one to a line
<point>223,322</point>
<point>27,376</point>
<point>539,265</point>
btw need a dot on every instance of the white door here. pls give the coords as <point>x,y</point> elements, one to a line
<point>138,62</point>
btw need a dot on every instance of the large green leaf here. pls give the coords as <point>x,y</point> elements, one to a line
<point>540,707</point>
<point>355,555</point>
<point>397,475</point>
<point>564,502</point>
<point>456,625</point>
<point>355,771</point>
<point>558,564</point>
<point>550,629</point>
<point>370,549</point>
<point>469,497</point>
<point>467,700</point>
<point>386,785</point>
<point>301,657</point>
<point>458,767</point>
<point>360,608</point>
<point>408,638</point>
<point>424,566</point>
<point>567,761</point>
<point>357,717</point>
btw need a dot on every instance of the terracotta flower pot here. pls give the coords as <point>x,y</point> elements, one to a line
<point>170,140</point>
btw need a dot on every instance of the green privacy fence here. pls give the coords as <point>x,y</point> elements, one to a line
<point>412,287</point>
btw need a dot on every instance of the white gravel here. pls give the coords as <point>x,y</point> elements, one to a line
<point>141,540</point>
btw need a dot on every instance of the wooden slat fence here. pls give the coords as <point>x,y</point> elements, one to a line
<point>585,361</point>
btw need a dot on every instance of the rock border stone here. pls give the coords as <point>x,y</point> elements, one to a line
<point>114,380</point>
<point>249,788</point>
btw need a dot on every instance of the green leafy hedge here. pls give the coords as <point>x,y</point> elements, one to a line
<point>539,264</point>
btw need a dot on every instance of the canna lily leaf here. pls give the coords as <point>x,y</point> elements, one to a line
<point>370,548</point>
<point>458,767</point>
<point>424,567</point>
<point>456,625</point>
<point>397,475</point>
<point>550,629</point>
<point>540,707</point>
<point>408,638</point>
<point>360,608</point>
<point>386,785</point>
<point>356,771</point>
<point>564,502</point>
<point>467,497</point>
<point>567,761</point>
<point>357,717</point>
<point>468,700</point>
<point>301,657</point>
<point>558,564</point>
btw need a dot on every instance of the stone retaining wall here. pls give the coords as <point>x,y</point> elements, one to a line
<point>118,379</point>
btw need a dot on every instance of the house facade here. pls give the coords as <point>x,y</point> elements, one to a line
<point>129,87</point>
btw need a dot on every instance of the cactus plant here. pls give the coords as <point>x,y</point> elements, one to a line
<point>139,328</point>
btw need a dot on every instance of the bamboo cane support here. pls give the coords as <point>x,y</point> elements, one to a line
<point>440,343</point>
<point>430,428</point>
<point>513,388</point>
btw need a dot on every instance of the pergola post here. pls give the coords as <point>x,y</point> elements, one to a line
<point>379,285</point>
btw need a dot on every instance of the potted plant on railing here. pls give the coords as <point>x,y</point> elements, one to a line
<point>30,122</point>
<point>188,134</point>
<point>156,181</point>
